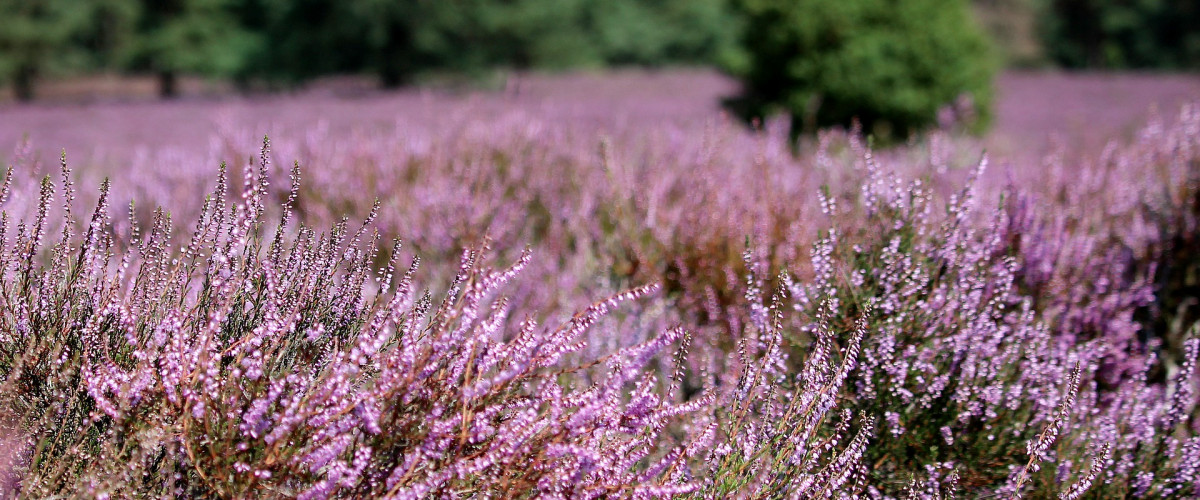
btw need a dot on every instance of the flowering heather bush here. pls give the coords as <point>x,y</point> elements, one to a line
<point>255,363</point>
<point>693,314</point>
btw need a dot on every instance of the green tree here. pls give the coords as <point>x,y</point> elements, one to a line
<point>390,30</point>
<point>189,36</point>
<point>400,40</point>
<point>889,64</point>
<point>468,37</point>
<point>1124,33</point>
<point>550,34</point>
<point>35,38</point>
<point>1013,26</point>
<point>309,38</point>
<point>655,33</point>
<point>106,32</point>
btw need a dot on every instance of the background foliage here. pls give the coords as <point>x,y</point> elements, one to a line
<point>889,65</point>
<point>289,41</point>
<point>1124,33</point>
<point>893,66</point>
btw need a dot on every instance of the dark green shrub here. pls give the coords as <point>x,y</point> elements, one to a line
<point>890,64</point>
<point>403,41</point>
<point>35,38</point>
<point>1123,34</point>
<point>179,37</point>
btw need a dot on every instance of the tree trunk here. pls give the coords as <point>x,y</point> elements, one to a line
<point>390,75</point>
<point>23,83</point>
<point>395,65</point>
<point>167,84</point>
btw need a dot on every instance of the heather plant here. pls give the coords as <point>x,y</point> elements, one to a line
<point>968,370</point>
<point>909,323</point>
<point>269,377</point>
<point>957,368</point>
<point>788,443</point>
<point>282,363</point>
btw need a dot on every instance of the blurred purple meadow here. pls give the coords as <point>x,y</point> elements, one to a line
<point>493,300</point>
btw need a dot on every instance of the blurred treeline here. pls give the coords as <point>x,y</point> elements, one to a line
<point>1095,34</point>
<point>279,43</point>
<point>276,43</point>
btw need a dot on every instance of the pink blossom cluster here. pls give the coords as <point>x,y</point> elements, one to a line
<point>910,323</point>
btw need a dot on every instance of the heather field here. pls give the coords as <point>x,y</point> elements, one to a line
<point>598,286</point>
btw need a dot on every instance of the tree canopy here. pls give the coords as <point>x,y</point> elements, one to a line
<point>889,65</point>
<point>892,55</point>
